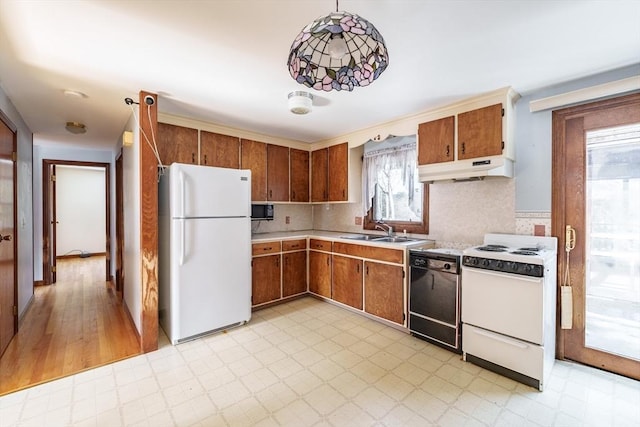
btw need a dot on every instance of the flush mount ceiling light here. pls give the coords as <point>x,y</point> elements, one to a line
<point>76,128</point>
<point>74,93</point>
<point>300,102</point>
<point>339,51</point>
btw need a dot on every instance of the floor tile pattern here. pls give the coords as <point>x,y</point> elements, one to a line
<point>311,363</point>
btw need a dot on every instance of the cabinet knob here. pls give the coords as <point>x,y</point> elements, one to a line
<point>193,157</point>
<point>448,150</point>
<point>205,159</point>
<point>463,148</point>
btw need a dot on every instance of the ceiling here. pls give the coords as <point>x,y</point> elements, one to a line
<point>224,61</point>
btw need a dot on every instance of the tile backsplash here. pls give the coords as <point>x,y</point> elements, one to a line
<point>300,218</point>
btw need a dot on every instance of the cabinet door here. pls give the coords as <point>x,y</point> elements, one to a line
<point>254,157</point>
<point>346,285</point>
<point>294,273</point>
<point>277,173</point>
<point>177,144</point>
<point>383,291</point>
<point>338,172</point>
<point>319,175</point>
<point>265,279</point>
<point>219,150</point>
<point>320,273</point>
<point>299,161</point>
<point>435,141</point>
<point>480,132</point>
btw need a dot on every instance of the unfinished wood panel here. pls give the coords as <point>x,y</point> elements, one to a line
<point>346,284</point>
<point>338,172</point>
<point>383,290</point>
<point>277,173</point>
<point>254,157</point>
<point>265,248</point>
<point>294,273</point>
<point>78,324</point>
<point>480,132</point>
<point>320,273</point>
<point>149,226</point>
<point>176,144</point>
<point>371,252</point>
<point>436,141</point>
<point>299,172</point>
<point>294,245</point>
<point>319,175</point>
<point>219,150</point>
<point>321,245</point>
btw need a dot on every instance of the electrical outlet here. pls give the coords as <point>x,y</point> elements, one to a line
<point>538,230</point>
<point>287,219</point>
<point>358,220</point>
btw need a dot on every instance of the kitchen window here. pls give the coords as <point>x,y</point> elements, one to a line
<point>391,189</point>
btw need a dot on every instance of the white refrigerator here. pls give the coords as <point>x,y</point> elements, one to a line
<point>204,242</point>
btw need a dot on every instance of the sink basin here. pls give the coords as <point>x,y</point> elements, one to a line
<point>362,237</point>
<point>395,239</point>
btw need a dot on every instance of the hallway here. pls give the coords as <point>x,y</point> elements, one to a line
<point>72,326</point>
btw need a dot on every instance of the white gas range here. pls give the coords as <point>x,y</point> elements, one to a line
<point>509,306</point>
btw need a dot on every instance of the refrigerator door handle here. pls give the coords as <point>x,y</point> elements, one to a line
<point>182,194</point>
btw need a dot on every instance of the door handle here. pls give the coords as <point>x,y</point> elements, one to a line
<point>6,237</point>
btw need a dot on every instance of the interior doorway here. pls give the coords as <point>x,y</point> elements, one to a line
<point>596,214</point>
<point>50,218</point>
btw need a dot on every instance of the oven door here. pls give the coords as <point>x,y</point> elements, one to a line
<point>502,302</point>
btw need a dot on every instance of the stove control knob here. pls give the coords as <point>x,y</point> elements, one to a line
<point>514,266</point>
<point>528,268</point>
<point>447,266</point>
<point>474,261</point>
<point>486,262</point>
<point>499,264</point>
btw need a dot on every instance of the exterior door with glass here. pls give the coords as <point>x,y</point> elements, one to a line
<point>596,183</point>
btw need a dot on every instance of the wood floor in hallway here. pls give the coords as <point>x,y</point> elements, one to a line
<point>74,325</point>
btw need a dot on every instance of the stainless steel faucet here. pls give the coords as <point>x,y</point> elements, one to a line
<point>389,228</point>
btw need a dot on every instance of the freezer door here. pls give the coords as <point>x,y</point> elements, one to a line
<point>204,191</point>
<point>210,275</point>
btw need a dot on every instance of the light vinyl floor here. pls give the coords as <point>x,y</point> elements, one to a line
<point>312,363</point>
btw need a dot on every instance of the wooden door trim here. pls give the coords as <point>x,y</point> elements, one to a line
<point>559,198</point>
<point>46,247</point>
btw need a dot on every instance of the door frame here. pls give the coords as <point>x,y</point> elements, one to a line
<point>5,119</point>
<point>46,219</point>
<point>119,278</point>
<point>561,158</point>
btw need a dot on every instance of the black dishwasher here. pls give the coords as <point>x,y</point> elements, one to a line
<point>434,297</point>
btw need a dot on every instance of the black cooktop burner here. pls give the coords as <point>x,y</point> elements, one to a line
<point>524,252</point>
<point>529,249</point>
<point>493,248</point>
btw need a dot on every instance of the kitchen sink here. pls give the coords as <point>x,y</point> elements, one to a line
<point>397,239</point>
<point>362,237</point>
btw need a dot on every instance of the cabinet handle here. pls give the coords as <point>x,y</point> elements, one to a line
<point>463,148</point>
<point>193,157</point>
<point>433,281</point>
<point>278,261</point>
<point>270,193</point>
<point>205,159</point>
<point>327,260</point>
<point>343,194</point>
<point>448,150</point>
<point>295,246</point>
<point>293,195</point>
<point>357,268</point>
<point>267,249</point>
<point>286,260</point>
<point>367,270</point>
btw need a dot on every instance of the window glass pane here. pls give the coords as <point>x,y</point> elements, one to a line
<point>398,194</point>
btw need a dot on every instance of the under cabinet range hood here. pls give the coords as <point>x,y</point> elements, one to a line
<point>466,169</point>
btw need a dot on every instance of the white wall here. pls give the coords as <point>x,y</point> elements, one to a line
<point>24,207</point>
<point>132,293</point>
<point>51,152</point>
<point>80,210</point>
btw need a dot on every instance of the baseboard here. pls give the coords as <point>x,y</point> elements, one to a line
<point>81,255</point>
<point>24,312</point>
<point>38,283</point>
<point>133,324</point>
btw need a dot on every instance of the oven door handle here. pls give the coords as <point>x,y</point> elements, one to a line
<point>506,274</point>
<point>501,338</point>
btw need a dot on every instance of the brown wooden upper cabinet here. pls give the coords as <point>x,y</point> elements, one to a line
<point>277,173</point>
<point>254,157</point>
<point>330,174</point>
<point>479,135</point>
<point>299,175</point>
<point>177,144</point>
<point>219,150</point>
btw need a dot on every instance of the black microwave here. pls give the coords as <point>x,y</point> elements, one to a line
<point>262,212</point>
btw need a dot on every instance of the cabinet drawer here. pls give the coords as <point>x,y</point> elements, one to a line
<point>294,245</point>
<point>371,252</point>
<point>322,245</point>
<point>265,248</point>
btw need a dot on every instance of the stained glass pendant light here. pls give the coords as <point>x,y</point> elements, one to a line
<point>339,51</point>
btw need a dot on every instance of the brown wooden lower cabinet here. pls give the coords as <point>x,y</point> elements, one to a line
<point>320,273</point>
<point>294,273</point>
<point>347,281</point>
<point>383,290</point>
<point>265,280</point>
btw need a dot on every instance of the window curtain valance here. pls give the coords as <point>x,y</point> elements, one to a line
<point>392,152</point>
